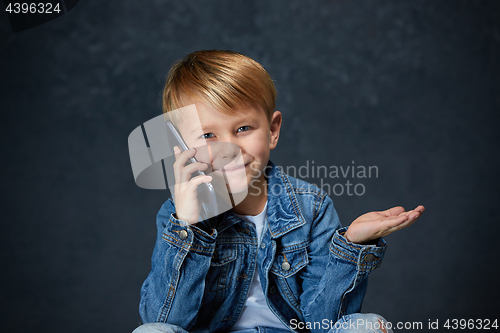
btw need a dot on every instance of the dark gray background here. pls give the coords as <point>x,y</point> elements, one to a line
<point>412,87</point>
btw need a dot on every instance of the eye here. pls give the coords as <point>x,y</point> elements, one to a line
<point>207,136</point>
<point>243,128</point>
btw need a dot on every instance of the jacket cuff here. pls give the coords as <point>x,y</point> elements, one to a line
<point>189,236</point>
<point>365,257</point>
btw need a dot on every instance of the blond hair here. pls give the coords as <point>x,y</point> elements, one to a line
<point>225,80</point>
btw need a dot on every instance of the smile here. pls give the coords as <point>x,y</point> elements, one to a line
<point>232,168</point>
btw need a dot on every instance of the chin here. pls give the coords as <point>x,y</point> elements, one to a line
<point>233,182</point>
<point>237,185</point>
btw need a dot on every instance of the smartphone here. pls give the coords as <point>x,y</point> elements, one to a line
<point>206,193</point>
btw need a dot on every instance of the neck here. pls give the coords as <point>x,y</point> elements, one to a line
<point>256,199</point>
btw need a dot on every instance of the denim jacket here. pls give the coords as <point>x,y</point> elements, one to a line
<point>201,274</point>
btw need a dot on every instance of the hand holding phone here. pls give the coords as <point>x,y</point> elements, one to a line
<point>186,186</point>
<point>194,195</point>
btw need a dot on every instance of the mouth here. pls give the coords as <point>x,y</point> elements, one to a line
<point>233,168</point>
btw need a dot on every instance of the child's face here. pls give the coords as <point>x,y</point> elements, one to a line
<point>248,131</point>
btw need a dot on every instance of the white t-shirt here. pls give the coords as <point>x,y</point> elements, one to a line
<point>255,311</point>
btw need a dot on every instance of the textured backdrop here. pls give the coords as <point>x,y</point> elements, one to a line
<point>411,87</point>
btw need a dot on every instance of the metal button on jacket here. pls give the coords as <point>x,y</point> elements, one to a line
<point>183,234</point>
<point>285,266</point>
<point>370,257</point>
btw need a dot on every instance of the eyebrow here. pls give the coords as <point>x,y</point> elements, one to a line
<point>196,128</point>
<point>245,119</point>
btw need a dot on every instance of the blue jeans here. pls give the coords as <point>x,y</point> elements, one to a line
<point>355,323</point>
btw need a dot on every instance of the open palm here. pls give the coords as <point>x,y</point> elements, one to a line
<point>373,225</point>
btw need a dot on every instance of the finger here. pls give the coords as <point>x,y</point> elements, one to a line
<point>178,151</point>
<point>181,160</point>
<point>420,209</point>
<point>188,170</point>
<point>188,189</point>
<point>403,225</point>
<point>393,221</point>
<point>183,156</point>
<point>193,184</point>
<point>393,211</point>
<point>414,214</point>
<point>411,218</point>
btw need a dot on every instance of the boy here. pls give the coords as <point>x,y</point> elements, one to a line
<point>279,260</point>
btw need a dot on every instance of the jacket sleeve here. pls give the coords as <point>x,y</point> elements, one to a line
<point>334,282</point>
<point>181,259</point>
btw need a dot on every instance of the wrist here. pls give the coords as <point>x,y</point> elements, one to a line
<point>350,239</point>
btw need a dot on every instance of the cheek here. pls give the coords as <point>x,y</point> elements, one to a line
<point>260,146</point>
<point>264,150</point>
<point>202,154</point>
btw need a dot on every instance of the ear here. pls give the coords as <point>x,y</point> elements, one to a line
<point>275,129</point>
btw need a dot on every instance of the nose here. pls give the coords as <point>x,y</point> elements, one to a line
<point>224,150</point>
<point>223,153</point>
<point>229,150</point>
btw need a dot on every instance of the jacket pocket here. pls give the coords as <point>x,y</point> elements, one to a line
<point>285,267</point>
<point>287,263</point>
<point>221,266</point>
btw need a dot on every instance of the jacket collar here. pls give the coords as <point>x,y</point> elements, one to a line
<point>283,211</point>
